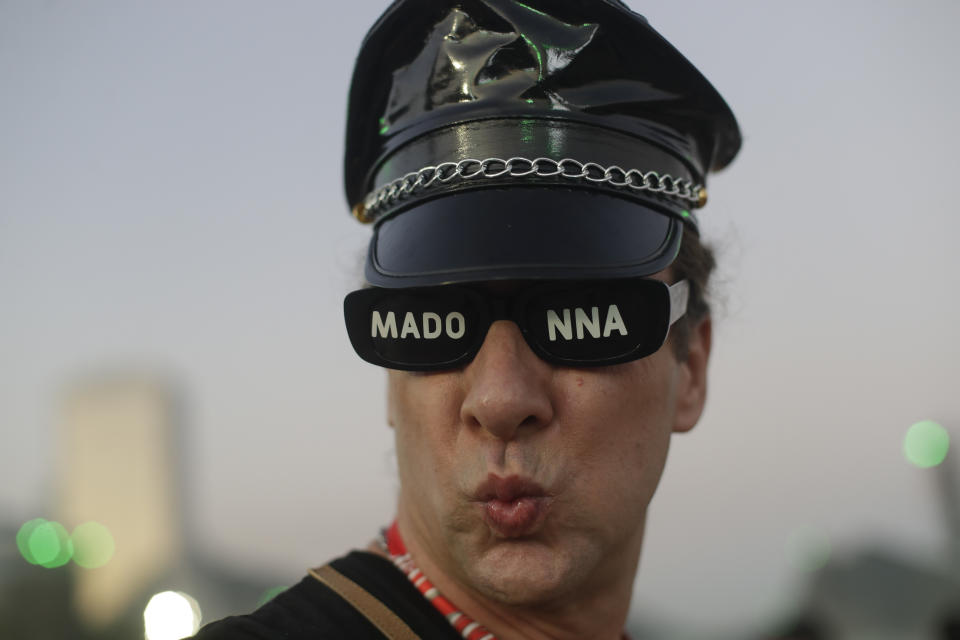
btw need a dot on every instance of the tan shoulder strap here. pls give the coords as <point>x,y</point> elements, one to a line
<point>372,609</point>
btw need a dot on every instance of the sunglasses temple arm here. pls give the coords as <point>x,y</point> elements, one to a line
<point>679,295</point>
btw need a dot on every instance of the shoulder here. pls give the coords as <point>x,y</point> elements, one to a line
<point>305,610</point>
<point>312,610</point>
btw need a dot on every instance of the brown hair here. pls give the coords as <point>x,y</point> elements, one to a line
<point>695,262</point>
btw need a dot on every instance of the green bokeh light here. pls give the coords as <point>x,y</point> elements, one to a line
<point>49,545</point>
<point>926,444</point>
<point>23,538</point>
<point>93,545</point>
<point>270,594</point>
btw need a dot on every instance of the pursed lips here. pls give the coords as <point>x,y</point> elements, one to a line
<point>514,506</point>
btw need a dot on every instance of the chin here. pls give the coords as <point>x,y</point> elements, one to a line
<point>527,573</point>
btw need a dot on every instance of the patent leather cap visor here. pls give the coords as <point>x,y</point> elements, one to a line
<point>519,234</point>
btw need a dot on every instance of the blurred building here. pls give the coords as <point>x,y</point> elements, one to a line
<point>876,594</point>
<point>120,473</point>
<point>118,468</point>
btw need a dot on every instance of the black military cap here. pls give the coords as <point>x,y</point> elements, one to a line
<point>492,139</point>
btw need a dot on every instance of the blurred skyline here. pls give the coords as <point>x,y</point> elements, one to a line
<point>171,202</point>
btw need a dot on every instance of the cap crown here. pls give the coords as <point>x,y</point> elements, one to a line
<point>429,65</point>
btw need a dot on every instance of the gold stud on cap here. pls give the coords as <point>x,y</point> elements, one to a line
<point>702,197</point>
<point>360,213</point>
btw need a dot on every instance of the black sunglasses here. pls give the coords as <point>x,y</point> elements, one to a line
<point>582,324</point>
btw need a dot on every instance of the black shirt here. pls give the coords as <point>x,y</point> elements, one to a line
<point>311,610</point>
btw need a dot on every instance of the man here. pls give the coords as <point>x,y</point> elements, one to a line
<point>537,294</point>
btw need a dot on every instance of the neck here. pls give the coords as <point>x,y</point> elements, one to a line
<point>595,609</point>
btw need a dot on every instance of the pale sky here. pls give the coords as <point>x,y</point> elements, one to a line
<point>171,201</point>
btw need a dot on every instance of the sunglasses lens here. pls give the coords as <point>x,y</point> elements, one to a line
<point>414,329</point>
<point>598,324</point>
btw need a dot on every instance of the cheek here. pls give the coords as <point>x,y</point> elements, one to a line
<point>423,410</point>
<point>625,415</point>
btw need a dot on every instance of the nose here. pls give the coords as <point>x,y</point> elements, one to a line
<point>508,388</point>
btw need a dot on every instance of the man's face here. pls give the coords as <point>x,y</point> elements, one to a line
<point>526,481</point>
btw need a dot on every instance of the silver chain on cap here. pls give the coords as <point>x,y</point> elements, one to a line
<point>568,168</point>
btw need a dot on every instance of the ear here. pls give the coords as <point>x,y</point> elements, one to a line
<point>692,377</point>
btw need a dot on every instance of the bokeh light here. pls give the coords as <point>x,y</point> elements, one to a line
<point>23,538</point>
<point>270,594</point>
<point>93,545</point>
<point>51,545</point>
<point>808,549</point>
<point>926,444</point>
<point>45,543</point>
<point>171,615</point>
